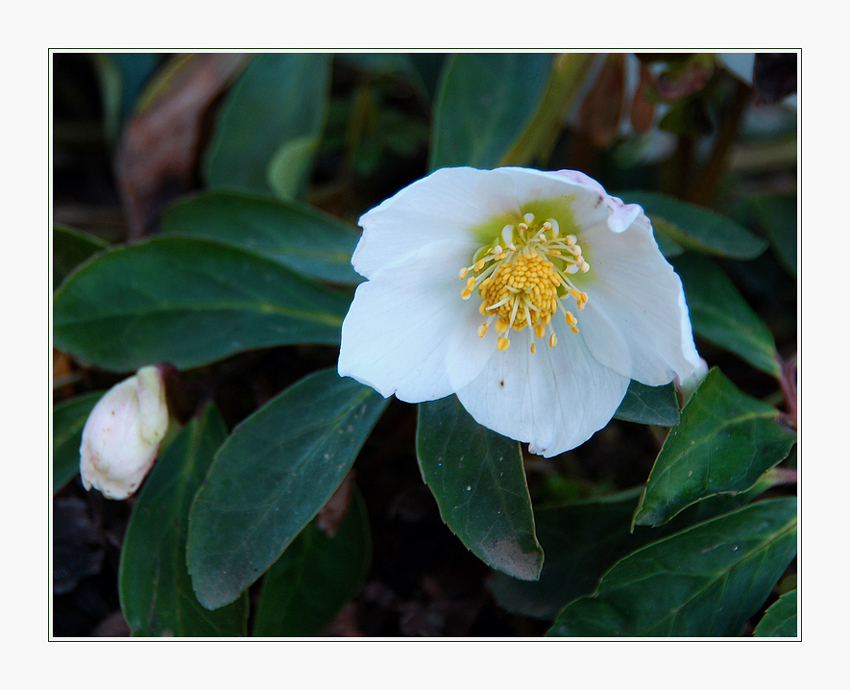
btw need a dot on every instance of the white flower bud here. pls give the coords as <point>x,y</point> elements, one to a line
<point>122,434</point>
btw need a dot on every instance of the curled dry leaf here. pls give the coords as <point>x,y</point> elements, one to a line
<point>159,146</point>
<point>600,111</point>
<point>643,109</point>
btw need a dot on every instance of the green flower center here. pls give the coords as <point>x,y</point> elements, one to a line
<point>522,277</point>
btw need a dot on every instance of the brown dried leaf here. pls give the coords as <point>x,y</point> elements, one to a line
<point>600,111</point>
<point>685,79</point>
<point>643,109</point>
<point>159,147</point>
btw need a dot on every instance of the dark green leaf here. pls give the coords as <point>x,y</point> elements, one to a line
<point>478,479</point>
<point>281,97</point>
<point>69,418</point>
<point>568,73</point>
<point>720,315</point>
<point>661,229</point>
<point>581,540</point>
<point>650,405</point>
<point>188,302</point>
<point>696,227</point>
<point>780,620</point>
<point>296,235</point>
<point>777,214</point>
<point>724,443</point>
<point>704,581</point>
<point>484,104</point>
<point>156,592</point>
<point>314,578</point>
<point>271,477</point>
<point>70,248</point>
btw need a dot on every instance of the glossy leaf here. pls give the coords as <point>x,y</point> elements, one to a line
<point>696,227</point>
<point>777,214</point>
<point>188,302</point>
<point>649,405</point>
<point>780,620</point>
<point>156,592</point>
<point>308,585</point>
<point>703,581</point>
<point>724,443</point>
<point>70,248</point>
<point>581,541</point>
<point>271,477</point>
<point>484,104</point>
<point>281,97</point>
<point>720,315</point>
<point>296,235</point>
<point>69,418</point>
<point>478,479</point>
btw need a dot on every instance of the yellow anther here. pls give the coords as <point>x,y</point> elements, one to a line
<point>522,278</point>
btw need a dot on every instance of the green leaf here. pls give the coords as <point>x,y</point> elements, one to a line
<point>478,479</point>
<point>484,104</point>
<point>780,620</point>
<point>696,227</point>
<point>298,236</point>
<point>720,315</point>
<point>724,443</point>
<point>280,98</point>
<point>308,585</point>
<point>568,74</point>
<point>188,302</point>
<point>70,248</point>
<point>69,418</point>
<point>271,477</point>
<point>777,214</point>
<point>650,405</point>
<point>398,64</point>
<point>291,164</point>
<point>703,581</point>
<point>581,540</point>
<point>154,585</point>
<point>661,229</point>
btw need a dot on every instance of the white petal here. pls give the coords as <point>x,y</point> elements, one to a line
<point>636,320</point>
<point>409,333</point>
<point>442,206</point>
<point>555,399</point>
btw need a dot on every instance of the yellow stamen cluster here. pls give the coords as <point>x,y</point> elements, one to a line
<point>523,284</point>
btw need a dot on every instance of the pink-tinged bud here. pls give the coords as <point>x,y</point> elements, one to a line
<point>122,434</point>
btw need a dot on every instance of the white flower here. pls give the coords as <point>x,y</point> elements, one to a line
<point>122,434</point>
<point>563,298</point>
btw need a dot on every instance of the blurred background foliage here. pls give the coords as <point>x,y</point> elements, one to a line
<point>149,145</point>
